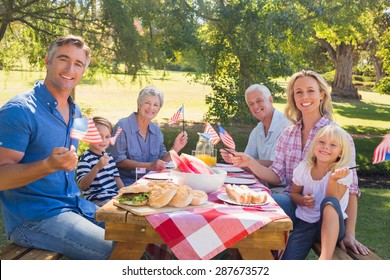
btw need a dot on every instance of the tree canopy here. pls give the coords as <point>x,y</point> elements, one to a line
<point>230,44</point>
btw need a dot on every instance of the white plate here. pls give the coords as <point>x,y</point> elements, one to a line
<point>231,169</point>
<point>224,197</point>
<point>248,176</point>
<point>158,176</point>
<point>239,181</point>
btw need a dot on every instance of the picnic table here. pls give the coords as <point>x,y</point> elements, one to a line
<point>200,232</point>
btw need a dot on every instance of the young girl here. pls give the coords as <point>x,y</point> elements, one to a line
<point>309,107</point>
<point>97,174</point>
<point>320,191</point>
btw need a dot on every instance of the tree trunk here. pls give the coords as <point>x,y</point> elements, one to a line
<point>5,11</point>
<point>378,66</point>
<point>342,84</point>
<point>73,94</point>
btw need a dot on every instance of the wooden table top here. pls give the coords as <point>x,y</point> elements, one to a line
<point>133,233</point>
<point>113,214</point>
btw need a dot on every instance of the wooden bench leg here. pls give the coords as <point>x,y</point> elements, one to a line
<point>128,251</point>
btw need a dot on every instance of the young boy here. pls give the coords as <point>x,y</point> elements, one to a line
<point>97,174</point>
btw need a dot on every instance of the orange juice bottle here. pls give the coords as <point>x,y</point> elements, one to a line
<point>213,161</point>
<point>204,149</point>
<point>205,158</point>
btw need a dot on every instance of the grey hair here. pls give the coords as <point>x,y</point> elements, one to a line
<point>69,40</point>
<point>261,88</point>
<point>150,91</point>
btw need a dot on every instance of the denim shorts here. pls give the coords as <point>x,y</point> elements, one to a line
<point>305,234</point>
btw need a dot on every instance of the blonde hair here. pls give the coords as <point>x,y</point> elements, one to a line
<point>292,112</point>
<point>103,121</point>
<point>335,133</point>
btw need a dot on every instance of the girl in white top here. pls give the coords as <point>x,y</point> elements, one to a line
<point>319,190</point>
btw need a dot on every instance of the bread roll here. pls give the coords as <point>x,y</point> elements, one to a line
<point>161,195</point>
<point>244,195</point>
<point>135,189</point>
<point>199,197</point>
<point>241,194</point>
<point>183,197</point>
<point>258,197</point>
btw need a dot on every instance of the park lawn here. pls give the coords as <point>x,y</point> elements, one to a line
<point>116,98</point>
<point>373,223</point>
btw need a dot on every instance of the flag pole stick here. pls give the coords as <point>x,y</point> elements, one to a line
<point>360,165</point>
<point>183,118</point>
<point>223,148</point>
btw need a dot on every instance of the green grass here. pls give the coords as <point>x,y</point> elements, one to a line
<point>373,223</point>
<point>114,98</point>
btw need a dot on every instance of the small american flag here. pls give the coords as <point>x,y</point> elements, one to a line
<point>84,129</point>
<point>113,138</point>
<point>205,135</point>
<point>178,116</point>
<point>382,151</point>
<point>140,170</point>
<point>214,136</point>
<point>227,140</point>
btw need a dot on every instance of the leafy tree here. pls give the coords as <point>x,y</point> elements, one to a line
<point>135,33</point>
<point>245,43</point>
<point>342,28</point>
<point>381,42</point>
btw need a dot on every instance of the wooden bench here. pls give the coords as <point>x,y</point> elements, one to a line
<point>15,252</point>
<point>339,254</point>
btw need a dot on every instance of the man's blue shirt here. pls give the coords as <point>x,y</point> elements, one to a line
<point>30,123</point>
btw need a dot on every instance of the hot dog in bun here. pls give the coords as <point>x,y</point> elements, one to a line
<point>244,195</point>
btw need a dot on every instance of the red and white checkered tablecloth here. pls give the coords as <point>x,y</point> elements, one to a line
<point>202,233</point>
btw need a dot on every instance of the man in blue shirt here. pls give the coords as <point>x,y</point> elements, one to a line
<point>41,202</point>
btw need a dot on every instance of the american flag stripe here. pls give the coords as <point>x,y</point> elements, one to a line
<point>113,138</point>
<point>84,129</point>
<point>227,140</point>
<point>214,136</point>
<point>178,116</point>
<point>382,151</point>
<point>140,170</point>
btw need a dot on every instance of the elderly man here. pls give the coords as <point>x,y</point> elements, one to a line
<point>262,140</point>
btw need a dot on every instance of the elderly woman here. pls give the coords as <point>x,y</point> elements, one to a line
<point>141,142</point>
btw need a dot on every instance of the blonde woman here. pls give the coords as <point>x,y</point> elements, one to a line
<point>309,107</point>
<point>319,189</point>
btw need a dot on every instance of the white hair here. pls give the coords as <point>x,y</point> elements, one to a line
<point>150,91</point>
<point>256,87</point>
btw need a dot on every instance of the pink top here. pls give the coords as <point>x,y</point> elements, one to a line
<point>289,153</point>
